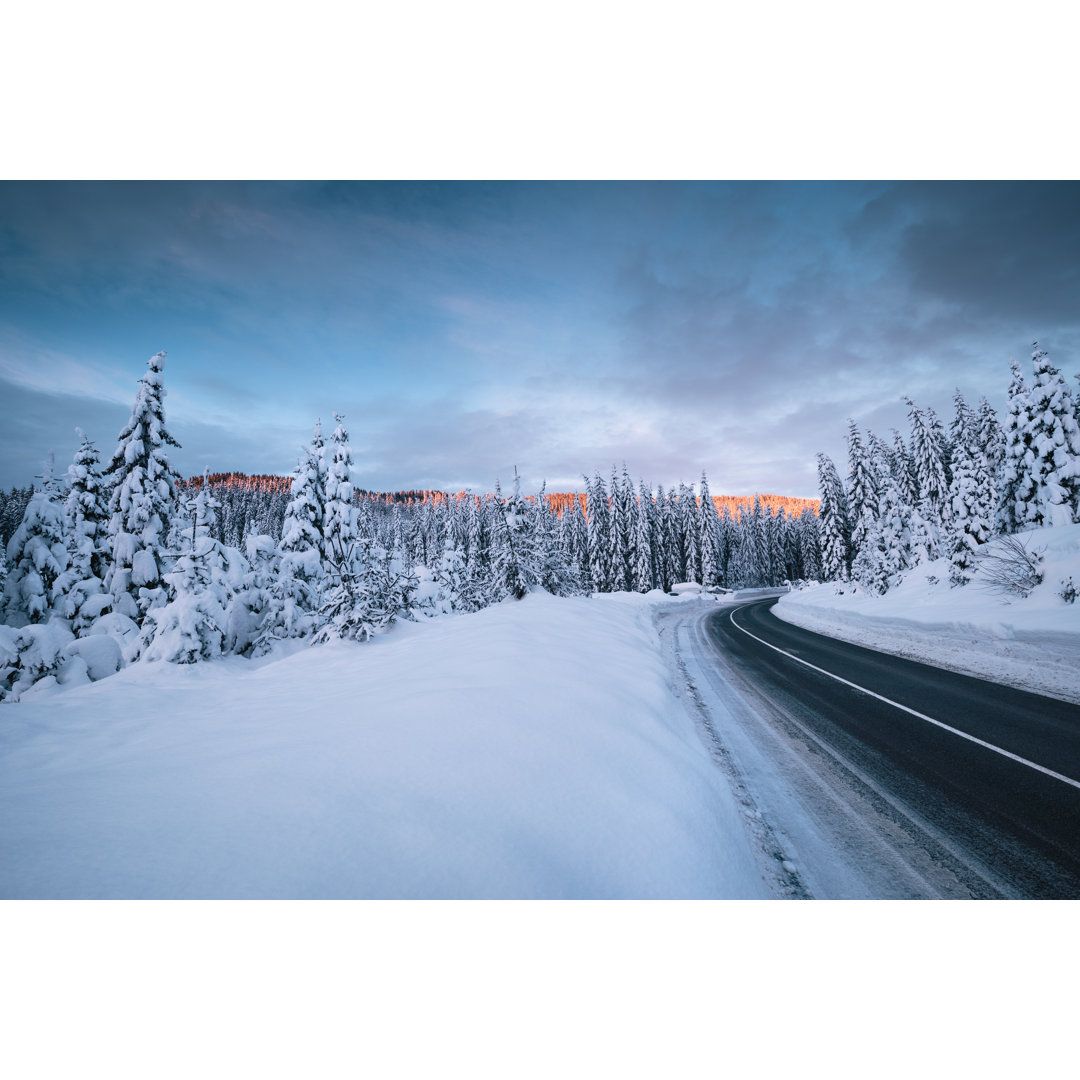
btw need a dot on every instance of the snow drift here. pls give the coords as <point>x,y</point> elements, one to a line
<point>533,749</point>
<point>1032,643</point>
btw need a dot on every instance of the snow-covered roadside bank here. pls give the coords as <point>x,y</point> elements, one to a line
<point>533,749</point>
<point>1032,643</point>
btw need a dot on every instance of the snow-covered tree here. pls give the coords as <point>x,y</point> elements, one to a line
<point>903,470</point>
<point>599,515</point>
<point>515,563</point>
<point>142,502</point>
<point>862,489</point>
<point>37,555</point>
<point>833,516</point>
<point>191,625</point>
<point>970,495</point>
<point>709,544</point>
<point>1053,442</point>
<point>295,591</point>
<point>1015,487</point>
<point>80,589</point>
<point>642,553</point>
<point>810,545</point>
<point>928,457</point>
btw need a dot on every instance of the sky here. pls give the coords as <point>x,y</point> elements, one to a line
<point>467,328</point>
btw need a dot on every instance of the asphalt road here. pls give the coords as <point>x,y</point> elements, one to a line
<point>1018,820</point>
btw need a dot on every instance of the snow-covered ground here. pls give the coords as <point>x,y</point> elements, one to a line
<point>1031,643</point>
<point>534,749</point>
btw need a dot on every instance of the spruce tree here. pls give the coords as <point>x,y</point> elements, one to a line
<point>862,490</point>
<point>970,494</point>
<point>810,545</point>
<point>295,591</point>
<point>643,572</point>
<point>37,555</point>
<point>927,452</point>
<point>599,534</point>
<point>143,499</point>
<point>82,586</point>
<point>709,533</point>
<point>191,625</point>
<point>1015,485</point>
<point>1053,440</point>
<point>835,543</point>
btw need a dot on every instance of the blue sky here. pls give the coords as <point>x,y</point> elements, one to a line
<point>465,328</point>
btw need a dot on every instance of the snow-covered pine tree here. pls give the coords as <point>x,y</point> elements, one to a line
<point>295,591</point>
<point>599,534</point>
<point>970,495</point>
<point>1053,440</point>
<point>835,543</point>
<point>249,607</point>
<point>809,545</point>
<point>709,532</point>
<point>944,446</point>
<point>1015,486</point>
<point>37,555</point>
<point>862,490</point>
<point>190,626</point>
<point>515,570</point>
<point>927,455</point>
<point>352,605</point>
<point>903,470</point>
<point>339,515</point>
<point>81,588</point>
<point>142,502</point>
<point>644,574</point>
<point>689,531</point>
<point>619,537</point>
<point>662,578</point>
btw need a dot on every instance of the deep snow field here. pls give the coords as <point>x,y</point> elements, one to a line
<point>534,749</point>
<point>1031,643</point>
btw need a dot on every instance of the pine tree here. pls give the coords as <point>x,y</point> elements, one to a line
<point>599,534</point>
<point>37,555</point>
<point>190,626</point>
<point>81,588</point>
<point>142,502</point>
<point>1015,486</point>
<point>709,533</point>
<point>970,495</point>
<point>862,490</point>
<point>295,591</point>
<point>809,545</point>
<point>515,570</point>
<point>903,471</point>
<point>1053,441</point>
<point>835,543</point>
<point>927,451</point>
<point>643,568</point>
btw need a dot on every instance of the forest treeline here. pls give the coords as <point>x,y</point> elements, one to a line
<point>128,562</point>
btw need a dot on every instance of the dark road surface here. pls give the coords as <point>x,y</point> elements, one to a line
<point>1004,814</point>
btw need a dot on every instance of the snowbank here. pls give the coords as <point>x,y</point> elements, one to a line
<point>1031,643</point>
<point>533,749</point>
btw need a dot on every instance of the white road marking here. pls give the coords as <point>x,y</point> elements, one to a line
<point>912,712</point>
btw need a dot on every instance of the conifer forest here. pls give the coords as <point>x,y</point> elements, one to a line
<point>119,560</point>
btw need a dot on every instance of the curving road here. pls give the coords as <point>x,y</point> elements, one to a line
<point>982,778</point>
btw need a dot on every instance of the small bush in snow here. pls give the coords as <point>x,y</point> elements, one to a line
<point>1006,566</point>
<point>1068,591</point>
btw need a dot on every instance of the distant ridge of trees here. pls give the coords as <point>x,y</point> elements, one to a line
<point>558,501</point>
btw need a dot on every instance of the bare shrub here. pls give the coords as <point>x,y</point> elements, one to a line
<point>1006,566</point>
